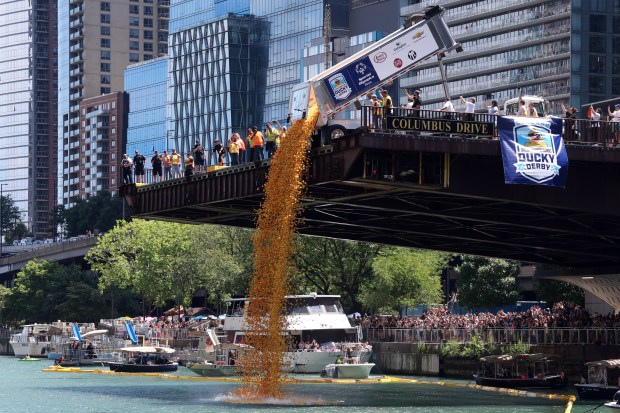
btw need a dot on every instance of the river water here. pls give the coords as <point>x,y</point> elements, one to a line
<point>25,388</point>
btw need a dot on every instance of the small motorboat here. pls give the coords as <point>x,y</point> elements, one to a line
<point>347,371</point>
<point>520,371</point>
<point>28,358</point>
<point>600,375</point>
<point>145,359</point>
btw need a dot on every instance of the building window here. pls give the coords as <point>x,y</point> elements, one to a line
<point>105,55</point>
<point>134,9</point>
<point>105,43</point>
<point>162,49</point>
<point>105,6</point>
<point>162,37</point>
<point>133,45</point>
<point>597,84</point>
<point>148,57</point>
<point>148,10</point>
<point>134,57</point>
<point>134,21</point>
<point>163,12</point>
<point>597,44</point>
<point>148,34</point>
<point>105,18</point>
<point>105,90</point>
<point>148,47</point>
<point>615,42</point>
<point>598,23</point>
<point>105,67</point>
<point>105,79</point>
<point>597,64</point>
<point>134,33</point>
<point>148,22</point>
<point>105,30</point>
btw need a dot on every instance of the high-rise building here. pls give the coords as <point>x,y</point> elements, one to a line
<point>104,124</point>
<point>213,80</point>
<point>27,116</point>
<point>564,50</point>
<point>146,86</point>
<point>97,40</point>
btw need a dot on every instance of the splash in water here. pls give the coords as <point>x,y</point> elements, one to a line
<point>264,369</point>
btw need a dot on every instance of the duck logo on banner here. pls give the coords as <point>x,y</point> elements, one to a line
<point>533,151</point>
<point>340,87</point>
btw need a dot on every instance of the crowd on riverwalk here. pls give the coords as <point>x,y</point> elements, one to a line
<point>560,315</point>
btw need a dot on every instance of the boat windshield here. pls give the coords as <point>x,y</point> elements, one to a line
<point>315,306</point>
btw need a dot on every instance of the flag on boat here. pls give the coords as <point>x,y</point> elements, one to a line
<point>533,150</point>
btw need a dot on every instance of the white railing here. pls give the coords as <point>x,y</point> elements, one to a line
<point>535,336</point>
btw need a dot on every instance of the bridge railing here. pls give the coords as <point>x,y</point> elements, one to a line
<point>574,131</point>
<point>538,336</point>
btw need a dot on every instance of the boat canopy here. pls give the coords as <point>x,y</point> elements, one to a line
<point>509,358</point>
<point>147,349</point>
<point>609,364</point>
<point>94,333</point>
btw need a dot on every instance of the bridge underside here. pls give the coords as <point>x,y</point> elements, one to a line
<point>438,194</point>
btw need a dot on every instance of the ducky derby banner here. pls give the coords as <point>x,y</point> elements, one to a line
<point>533,150</point>
<point>447,126</point>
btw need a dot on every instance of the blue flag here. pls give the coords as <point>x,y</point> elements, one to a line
<point>533,150</point>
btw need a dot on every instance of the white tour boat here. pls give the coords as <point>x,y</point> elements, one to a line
<point>311,318</point>
<point>33,341</point>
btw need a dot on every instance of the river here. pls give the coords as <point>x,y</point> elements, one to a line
<point>25,388</point>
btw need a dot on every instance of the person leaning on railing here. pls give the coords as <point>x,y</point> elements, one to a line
<point>615,121</point>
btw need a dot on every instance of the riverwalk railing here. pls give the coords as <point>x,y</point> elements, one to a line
<point>574,131</point>
<point>537,336</point>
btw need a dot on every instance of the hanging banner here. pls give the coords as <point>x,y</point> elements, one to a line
<point>533,150</point>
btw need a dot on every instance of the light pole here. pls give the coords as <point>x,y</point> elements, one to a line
<point>1,226</point>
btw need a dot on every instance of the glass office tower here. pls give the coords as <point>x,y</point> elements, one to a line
<point>213,89</point>
<point>27,110</point>
<point>293,24</point>
<point>146,85</point>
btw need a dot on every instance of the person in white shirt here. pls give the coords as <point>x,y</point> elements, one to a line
<point>493,109</point>
<point>470,107</point>
<point>595,124</point>
<point>447,107</point>
<point>522,109</point>
<point>614,117</point>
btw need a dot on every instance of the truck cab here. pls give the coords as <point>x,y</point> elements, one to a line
<point>511,106</point>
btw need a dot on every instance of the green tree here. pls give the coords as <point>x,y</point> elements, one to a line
<point>97,213</point>
<point>19,231</point>
<point>487,282</point>
<point>45,291</point>
<point>164,261</point>
<point>404,277</point>
<point>330,266</point>
<point>554,291</point>
<point>57,220</point>
<point>10,214</point>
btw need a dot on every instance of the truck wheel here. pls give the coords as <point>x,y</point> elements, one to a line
<point>336,132</point>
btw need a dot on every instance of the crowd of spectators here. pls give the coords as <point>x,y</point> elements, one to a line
<point>560,315</point>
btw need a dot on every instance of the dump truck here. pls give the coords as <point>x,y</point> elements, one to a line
<point>423,36</point>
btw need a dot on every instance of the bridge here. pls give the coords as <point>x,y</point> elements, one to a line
<point>431,191</point>
<point>426,191</point>
<point>66,251</point>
